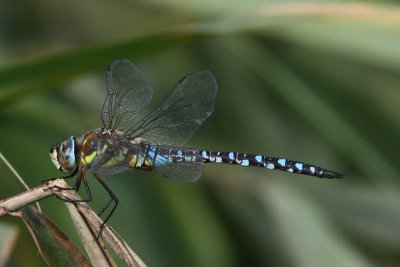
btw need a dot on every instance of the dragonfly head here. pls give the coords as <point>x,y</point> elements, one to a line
<point>63,155</point>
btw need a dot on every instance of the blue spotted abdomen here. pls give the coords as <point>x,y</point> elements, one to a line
<point>270,163</point>
<point>159,156</point>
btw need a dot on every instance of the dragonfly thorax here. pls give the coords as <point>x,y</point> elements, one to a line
<point>63,155</point>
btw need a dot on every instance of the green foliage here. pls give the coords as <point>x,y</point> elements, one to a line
<point>311,82</point>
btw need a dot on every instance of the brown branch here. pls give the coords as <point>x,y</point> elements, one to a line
<point>14,203</point>
<point>85,219</point>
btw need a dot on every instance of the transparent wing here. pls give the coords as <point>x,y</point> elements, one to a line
<point>180,114</point>
<point>128,93</point>
<point>184,172</point>
<point>178,164</point>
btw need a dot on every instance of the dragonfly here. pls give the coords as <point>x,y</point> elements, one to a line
<point>128,140</point>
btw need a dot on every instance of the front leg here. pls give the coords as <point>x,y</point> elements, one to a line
<point>81,176</point>
<point>65,177</point>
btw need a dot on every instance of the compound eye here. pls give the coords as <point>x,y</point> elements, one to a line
<point>69,155</point>
<point>63,155</point>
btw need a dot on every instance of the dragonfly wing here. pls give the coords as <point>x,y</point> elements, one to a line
<point>128,93</point>
<point>176,163</point>
<point>181,113</point>
<point>185,172</point>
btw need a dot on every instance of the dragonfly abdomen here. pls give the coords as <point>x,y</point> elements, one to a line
<point>155,156</point>
<point>271,163</point>
<point>171,155</point>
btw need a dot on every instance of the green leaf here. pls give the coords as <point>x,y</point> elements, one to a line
<point>54,246</point>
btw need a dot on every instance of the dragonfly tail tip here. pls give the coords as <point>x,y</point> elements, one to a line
<point>332,174</point>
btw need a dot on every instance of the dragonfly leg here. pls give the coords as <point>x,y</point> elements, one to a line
<point>113,199</point>
<point>65,177</point>
<point>81,176</point>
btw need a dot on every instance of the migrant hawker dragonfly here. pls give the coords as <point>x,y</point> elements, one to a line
<point>155,142</point>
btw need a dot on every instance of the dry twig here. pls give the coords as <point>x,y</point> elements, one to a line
<point>85,219</point>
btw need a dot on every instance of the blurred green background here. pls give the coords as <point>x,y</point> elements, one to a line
<point>311,81</point>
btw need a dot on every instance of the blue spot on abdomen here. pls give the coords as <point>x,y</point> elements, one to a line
<point>282,162</point>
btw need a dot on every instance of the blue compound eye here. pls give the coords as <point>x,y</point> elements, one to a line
<point>63,155</point>
<point>70,154</point>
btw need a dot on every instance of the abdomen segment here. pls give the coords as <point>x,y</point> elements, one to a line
<point>271,163</point>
